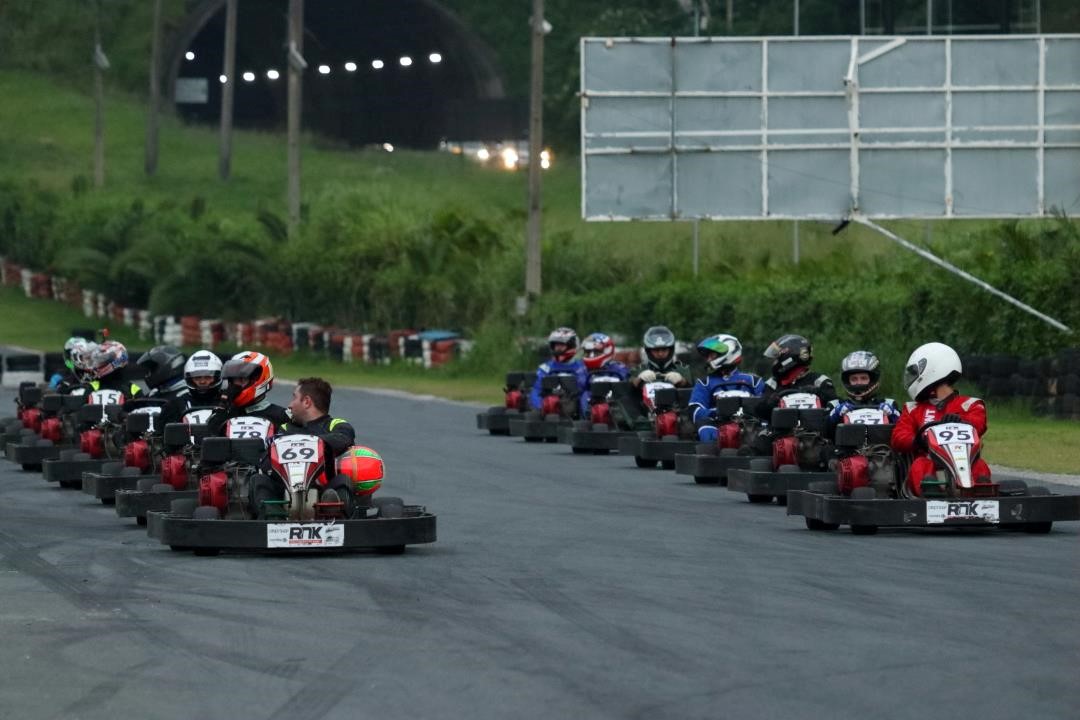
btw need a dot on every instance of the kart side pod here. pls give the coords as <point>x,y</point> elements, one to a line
<point>364,468</point>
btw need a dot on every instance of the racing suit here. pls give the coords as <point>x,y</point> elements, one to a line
<point>215,425</point>
<point>611,370</point>
<point>338,434</point>
<point>177,399</point>
<point>907,435</point>
<point>575,368</point>
<point>703,397</point>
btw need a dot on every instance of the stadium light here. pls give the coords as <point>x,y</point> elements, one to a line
<point>405,61</point>
<point>222,79</point>
<point>377,64</point>
<point>434,58</point>
<point>249,76</point>
<point>350,67</point>
<point>324,69</point>
<point>189,55</point>
<point>273,74</point>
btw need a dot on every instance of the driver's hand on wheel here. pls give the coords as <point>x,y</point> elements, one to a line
<point>952,418</point>
<point>647,376</point>
<point>673,377</point>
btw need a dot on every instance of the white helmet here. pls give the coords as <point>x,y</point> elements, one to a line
<point>201,364</point>
<point>929,365</point>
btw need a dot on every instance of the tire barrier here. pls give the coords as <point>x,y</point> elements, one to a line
<point>1051,385</point>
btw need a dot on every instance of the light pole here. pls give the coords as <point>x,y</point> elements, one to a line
<point>151,160</point>
<point>227,92</point>
<point>536,131</point>
<point>296,67</point>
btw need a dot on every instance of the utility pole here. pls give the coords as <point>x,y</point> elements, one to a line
<point>101,63</point>
<point>536,131</point>
<point>151,160</point>
<point>730,17</point>
<point>227,91</point>
<point>296,67</point>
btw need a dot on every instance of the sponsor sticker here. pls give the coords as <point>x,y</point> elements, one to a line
<point>304,535</point>
<point>942,511</point>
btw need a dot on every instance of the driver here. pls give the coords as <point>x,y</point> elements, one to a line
<point>722,354</point>
<point>310,408</point>
<point>860,374</point>
<point>930,376</point>
<point>248,377</point>
<point>563,343</point>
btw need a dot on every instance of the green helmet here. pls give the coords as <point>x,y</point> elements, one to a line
<point>728,350</point>
<point>72,347</point>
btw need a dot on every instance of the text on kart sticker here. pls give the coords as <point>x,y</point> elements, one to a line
<point>198,417</point>
<point>106,397</point>
<point>800,401</point>
<point>294,535</point>
<point>865,416</point>
<point>952,433</point>
<point>248,427</point>
<point>940,511</point>
<point>297,448</point>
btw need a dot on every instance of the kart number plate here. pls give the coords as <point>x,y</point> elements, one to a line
<point>800,401</point>
<point>106,397</point>
<point>953,433</point>
<point>152,412</point>
<point>198,417</point>
<point>865,416</point>
<point>248,427</point>
<point>297,449</point>
<point>304,535</point>
<point>731,393</point>
<point>942,511</point>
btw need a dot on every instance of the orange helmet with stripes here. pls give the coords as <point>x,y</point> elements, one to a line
<point>248,377</point>
<point>364,468</point>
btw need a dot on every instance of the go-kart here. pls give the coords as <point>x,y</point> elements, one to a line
<point>737,428</point>
<point>496,419</point>
<point>291,497</point>
<point>800,452</point>
<point>100,441</point>
<point>866,495</point>
<point>558,407</point>
<point>52,430</point>
<point>178,472</point>
<point>599,433</point>
<point>672,431</point>
<point>141,452</point>
<point>26,424</point>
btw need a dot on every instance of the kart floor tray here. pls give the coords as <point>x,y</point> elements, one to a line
<point>648,450</point>
<point>535,429</point>
<point>764,485</point>
<point>416,527</point>
<point>68,472</point>
<point>585,437</point>
<point>496,420</point>
<point>709,468</point>
<point>1033,513</point>
<point>103,485</point>
<point>32,454</point>
<point>138,504</point>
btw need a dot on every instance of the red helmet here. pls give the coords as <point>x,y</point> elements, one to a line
<point>248,376</point>
<point>599,349</point>
<point>108,357</point>
<point>364,467</point>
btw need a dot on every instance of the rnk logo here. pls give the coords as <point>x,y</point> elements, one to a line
<point>963,509</point>
<point>306,532</point>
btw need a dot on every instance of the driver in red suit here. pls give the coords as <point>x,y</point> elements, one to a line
<point>930,375</point>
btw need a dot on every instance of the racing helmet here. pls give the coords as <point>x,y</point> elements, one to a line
<point>658,337</point>
<point>789,352</point>
<point>931,364</point>
<point>860,361</point>
<point>202,363</point>
<point>727,347</point>
<point>82,357</point>
<point>599,349</point>
<point>248,376</point>
<point>567,336</point>
<point>163,364</point>
<point>72,346</point>
<point>107,358</point>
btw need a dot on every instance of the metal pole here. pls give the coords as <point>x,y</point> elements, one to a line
<point>957,271</point>
<point>99,102</point>
<point>227,92</point>
<point>536,145</point>
<point>696,252</point>
<point>929,17</point>
<point>730,17</point>
<point>795,227</point>
<point>862,17</point>
<point>796,17</point>
<point>296,43</point>
<point>151,159</point>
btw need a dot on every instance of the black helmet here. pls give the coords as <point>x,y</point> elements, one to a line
<point>658,337</point>
<point>860,361</point>
<point>789,352</point>
<point>162,365</point>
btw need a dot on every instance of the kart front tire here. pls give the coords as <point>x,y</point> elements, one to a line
<point>643,463</point>
<point>815,524</point>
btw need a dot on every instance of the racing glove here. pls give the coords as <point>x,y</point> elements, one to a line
<point>707,433</point>
<point>951,418</point>
<point>673,377</point>
<point>647,376</point>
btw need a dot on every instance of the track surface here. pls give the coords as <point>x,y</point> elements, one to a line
<point>561,586</point>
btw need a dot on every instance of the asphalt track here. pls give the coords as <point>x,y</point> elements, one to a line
<point>561,586</point>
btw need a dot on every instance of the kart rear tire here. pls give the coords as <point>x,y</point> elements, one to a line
<point>183,507</point>
<point>390,507</point>
<point>80,457</point>
<point>761,464</point>
<point>667,464</point>
<point>390,549</point>
<point>161,488</point>
<point>180,548</point>
<point>580,450</point>
<point>781,500</point>
<point>702,480</point>
<point>111,468</point>
<point>789,469</point>
<point>44,442</point>
<point>140,520</point>
<point>823,487</point>
<point>551,439</point>
<point>206,512</point>
<point>1038,491</point>
<point>262,488</point>
<point>31,467</point>
<point>864,529</point>
<point>207,552</point>
<point>1038,528</point>
<point>130,471</point>
<point>146,484</point>
<point>758,499</point>
<point>815,524</point>
<point>643,463</point>
<point>67,454</point>
<point>1012,487</point>
<point>533,439</point>
<point>108,502</point>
